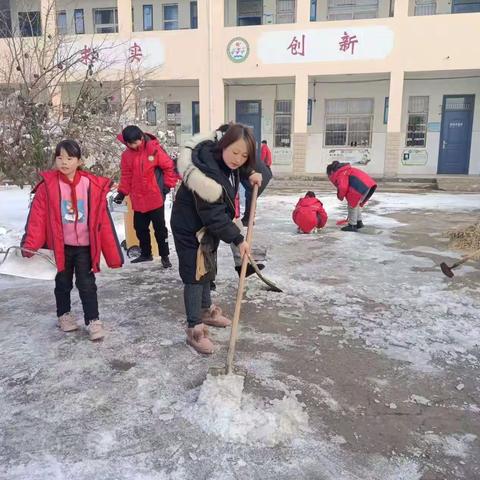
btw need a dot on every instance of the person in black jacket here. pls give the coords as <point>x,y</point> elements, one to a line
<point>202,215</point>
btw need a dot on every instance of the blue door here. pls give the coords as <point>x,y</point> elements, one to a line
<point>249,112</point>
<point>456,134</point>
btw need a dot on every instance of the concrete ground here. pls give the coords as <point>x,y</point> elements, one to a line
<point>382,348</point>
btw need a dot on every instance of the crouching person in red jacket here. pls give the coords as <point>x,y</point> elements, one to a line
<point>354,185</point>
<point>309,213</point>
<point>147,174</point>
<point>69,215</point>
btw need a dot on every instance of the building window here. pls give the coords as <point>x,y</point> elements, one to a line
<point>148,17</point>
<point>249,12</point>
<point>79,19</point>
<point>348,122</point>
<point>285,11</point>
<point>417,121</point>
<point>283,123</point>
<point>309,111</point>
<point>174,120</point>
<point>313,10</point>
<point>105,20</point>
<point>29,23</point>
<point>62,28</point>
<point>151,114</point>
<point>352,9</point>
<point>193,15</point>
<point>385,110</point>
<point>195,117</point>
<point>170,17</point>
<point>5,21</point>
<point>425,7</point>
<point>465,6</point>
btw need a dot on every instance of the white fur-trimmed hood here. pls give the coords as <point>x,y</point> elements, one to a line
<point>193,178</point>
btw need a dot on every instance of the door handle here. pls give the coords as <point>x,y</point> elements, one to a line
<point>444,144</point>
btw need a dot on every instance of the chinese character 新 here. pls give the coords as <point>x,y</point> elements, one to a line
<point>297,47</point>
<point>88,56</point>
<point>135,53</point>
<point>348,42</point>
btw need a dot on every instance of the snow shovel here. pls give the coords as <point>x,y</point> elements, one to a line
<point>228,368</point>
<point>264,279</point>
<point>448,270</point>
<point>41,266</point>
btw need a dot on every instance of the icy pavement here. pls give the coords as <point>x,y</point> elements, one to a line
<point>378,346</point>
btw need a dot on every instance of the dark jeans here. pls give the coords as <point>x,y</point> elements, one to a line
<point>78,260</point>
<point>197,298</point>
<point>141,223</point>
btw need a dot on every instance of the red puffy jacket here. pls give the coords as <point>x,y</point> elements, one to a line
<point>139,174</point>
<point>309,214</point>
<point>44,223</point>
<point>353,184</point>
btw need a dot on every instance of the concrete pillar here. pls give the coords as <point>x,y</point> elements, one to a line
<point>401,8</point>
<point>300,135</point>
<point>303,11</point>
<point>394,125</point>
<point>48,16</point>
<point>124,18</point>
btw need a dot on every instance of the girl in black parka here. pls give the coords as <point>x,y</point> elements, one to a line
<point>203,214</point>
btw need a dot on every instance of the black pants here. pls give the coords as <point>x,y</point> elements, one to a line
<point>197,298</point>
<point>141,223</point>
<point>78,260</point>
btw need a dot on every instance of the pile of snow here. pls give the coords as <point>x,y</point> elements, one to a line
<point>223,410</point>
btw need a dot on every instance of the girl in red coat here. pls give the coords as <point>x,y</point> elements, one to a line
<point>309,213</point>
<point>69,215</point>
<point>147,173</point>
<point>354,185</point>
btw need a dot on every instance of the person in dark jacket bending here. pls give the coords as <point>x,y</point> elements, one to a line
<point>202,215</point>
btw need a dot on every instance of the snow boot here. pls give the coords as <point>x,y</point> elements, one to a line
<point>213,286</point>
<point>95,330</point>
<point>142,258</point>
<point>349,228</point>
<point>213,317</point>
<point>250,269</point>
<point>360,224</point>
<point>67,322</point>
<point>197,338</point>
<point>166,262</point>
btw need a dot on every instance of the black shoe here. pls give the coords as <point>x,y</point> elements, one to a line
<point>349,228</point>
<point>213,286</point>
<point>360,224</point>
<point>142,258</point>
<point>166,262</point>
<point>250,269</point>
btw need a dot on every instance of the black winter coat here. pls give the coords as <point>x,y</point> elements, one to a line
<point>206,198</point>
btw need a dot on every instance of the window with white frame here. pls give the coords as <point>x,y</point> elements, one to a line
<point>105,20</point>
<point>148,18</point>
<point>79,20</point>
<point>417,122</point>
<point>283,123</point>
<point>62,27</point>
<point>425,7</point>
<point>348,122</point>
<point>170,17</point>
<point>352,9</point>
<point>285,11</point>
<point>174,120</point>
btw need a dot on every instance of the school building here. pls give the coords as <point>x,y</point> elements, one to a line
<point>393,85</point>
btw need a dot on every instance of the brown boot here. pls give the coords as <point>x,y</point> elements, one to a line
<point>213,317</point>
<point>197,337</point>
<point>67,322</point>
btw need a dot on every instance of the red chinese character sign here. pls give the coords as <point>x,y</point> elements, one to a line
<point>135,53</point>
<point>325,45</point>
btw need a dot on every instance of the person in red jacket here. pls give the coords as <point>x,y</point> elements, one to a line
<point>266,155</point>
<point>354,185</point>
<point>309,213</point>
<point>147,174</point>
<point>69,215</point>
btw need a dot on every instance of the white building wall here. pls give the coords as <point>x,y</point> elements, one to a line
<point>282,158</point>
<point>318,156</point>
<point>435,90</point>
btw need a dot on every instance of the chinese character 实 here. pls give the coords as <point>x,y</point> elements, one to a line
<point>135,53</point>
<point>348,42</point>
<point>88,56</point>
<point>297,47</point>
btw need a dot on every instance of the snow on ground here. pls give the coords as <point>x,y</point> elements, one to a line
<point>127,408</point>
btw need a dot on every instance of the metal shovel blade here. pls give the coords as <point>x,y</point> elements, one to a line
<point>446,270</point>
